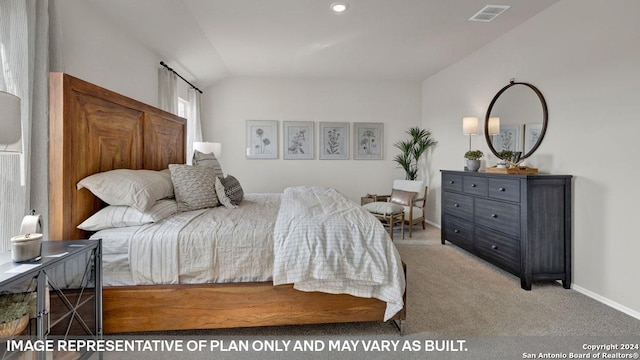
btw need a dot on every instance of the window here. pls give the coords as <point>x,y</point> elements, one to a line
<point>182,107</point>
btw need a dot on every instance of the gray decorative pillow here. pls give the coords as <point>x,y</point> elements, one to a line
<point>222,196</point>
<point>207,160</point>
<point>232,189</point>
<point>194,187</point>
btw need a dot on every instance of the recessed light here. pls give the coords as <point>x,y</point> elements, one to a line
<point>339,6</point>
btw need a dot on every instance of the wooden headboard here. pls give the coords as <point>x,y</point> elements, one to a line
<point>91,130</point>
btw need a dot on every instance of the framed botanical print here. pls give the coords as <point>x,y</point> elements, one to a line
<point>262,139</point>
<point>531,135</point>
<point>334,141</point>
<point>508,138</point>
<point>368,141</point>
<point>298,140</point>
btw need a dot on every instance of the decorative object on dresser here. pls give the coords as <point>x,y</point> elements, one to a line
<point>473,159</point>
<point>412,150</point>
<point>521,223</point>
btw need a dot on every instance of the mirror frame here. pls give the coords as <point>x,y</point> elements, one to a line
<point>545,118</point>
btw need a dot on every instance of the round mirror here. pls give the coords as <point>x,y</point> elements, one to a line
<point>516,120</point>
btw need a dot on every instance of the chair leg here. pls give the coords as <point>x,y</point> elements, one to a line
<point>410,228</point>
<point>423,225</point>
<point>402,226</point>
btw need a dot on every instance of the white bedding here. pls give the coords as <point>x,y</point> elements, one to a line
<point>325,243</point>
<point>214,245</point>
<point>309,236</point>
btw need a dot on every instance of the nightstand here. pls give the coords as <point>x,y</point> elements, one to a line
<point>67,280</point>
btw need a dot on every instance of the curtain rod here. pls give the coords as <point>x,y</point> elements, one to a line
<point>185,80</point>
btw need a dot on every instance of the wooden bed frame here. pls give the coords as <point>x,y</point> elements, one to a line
<point>93,130</point>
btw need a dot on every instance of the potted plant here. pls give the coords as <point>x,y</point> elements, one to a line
<point>473,159</point>
<point>412,149</point>
<point>14,314</point>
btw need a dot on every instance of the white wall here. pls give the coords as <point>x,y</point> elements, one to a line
<point>94,49</point>
<point>585,59</point>
<point>229,103</point>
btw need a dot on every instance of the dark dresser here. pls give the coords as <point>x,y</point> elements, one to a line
<point>521,223</point>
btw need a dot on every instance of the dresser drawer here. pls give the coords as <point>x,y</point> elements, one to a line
<point>458,205</point>
<point>498,216</point>
<point>459,232</point>
<point>498,248</point>
<point>475,185</point>
<point>504,189</point>
<point>452,182</point>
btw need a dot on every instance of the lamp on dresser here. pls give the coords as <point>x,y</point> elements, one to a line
<point>470,127</point>
<point>494,126</point>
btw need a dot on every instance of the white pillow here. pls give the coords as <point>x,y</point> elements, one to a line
<point>116,216</point>
<point>136,188</point>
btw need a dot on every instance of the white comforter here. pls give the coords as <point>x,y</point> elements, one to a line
<point>323,242</point>
<point>317,240</point>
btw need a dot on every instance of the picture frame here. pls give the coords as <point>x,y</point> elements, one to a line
<point>334,140</point>
<point>262,139</point>
<point>368,141</point>
<point>531,135</point>
<point>509,138</point>
<point>298,141</point>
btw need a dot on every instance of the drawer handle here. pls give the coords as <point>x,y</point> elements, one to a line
<point>473,185</point>
<point>502,189</point>
<point>456,231</point>
<point>456,205</point>
<point>451,182</point>
<point>494,216</point>
<point>494,247</point>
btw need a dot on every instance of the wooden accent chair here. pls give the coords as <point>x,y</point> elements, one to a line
<point>414,211</point>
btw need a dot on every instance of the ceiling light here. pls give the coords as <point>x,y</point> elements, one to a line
<point>339,6</point>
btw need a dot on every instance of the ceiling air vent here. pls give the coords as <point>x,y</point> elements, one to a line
<point>489,12</point>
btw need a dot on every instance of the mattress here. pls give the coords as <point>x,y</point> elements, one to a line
<point>219,244</point>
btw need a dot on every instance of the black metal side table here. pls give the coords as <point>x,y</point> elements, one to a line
<point>71,270</point>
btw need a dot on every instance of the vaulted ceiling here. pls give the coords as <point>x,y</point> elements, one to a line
<point>208,40</point>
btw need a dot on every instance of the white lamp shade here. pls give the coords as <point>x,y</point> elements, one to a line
<point>494,126</point>
<point>208,148</point>
<point>9,119</point>
<point>470,125</point>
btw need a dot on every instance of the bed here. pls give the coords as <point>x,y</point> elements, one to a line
<point>94,130</point>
